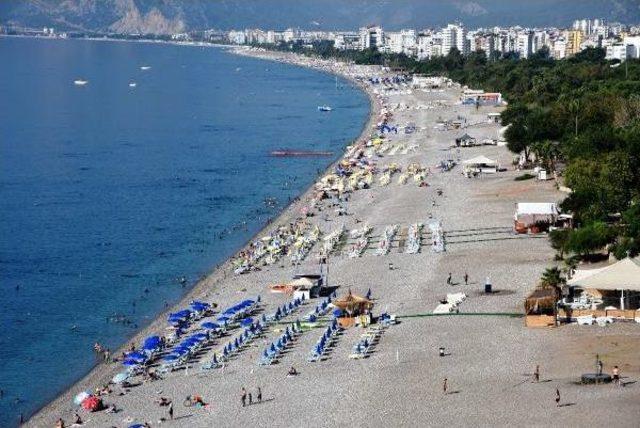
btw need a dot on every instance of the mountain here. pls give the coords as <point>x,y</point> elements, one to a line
<point>170,16</point>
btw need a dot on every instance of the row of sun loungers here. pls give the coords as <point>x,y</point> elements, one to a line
<point>332,240</point>
<point>269,249</point>
<point>451,304</point>
<point>303,245</point>
<point>385,241</point>
<point>321,309</point>
<point>414,237</point>
<point>362,240</point>
<point>249,333</point>
<point>321,346</point>
<point>362,348</point>
<point>273,351</point>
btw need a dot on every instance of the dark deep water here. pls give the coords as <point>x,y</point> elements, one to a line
<point>109,190</point>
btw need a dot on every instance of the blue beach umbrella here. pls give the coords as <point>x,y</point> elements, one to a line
<point>169,358</point>
<point>246,322</point>
<point>130,363</point>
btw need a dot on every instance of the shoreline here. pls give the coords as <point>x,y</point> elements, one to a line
<point>101,373</point>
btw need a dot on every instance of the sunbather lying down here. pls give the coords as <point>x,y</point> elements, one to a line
<point>292,371</point>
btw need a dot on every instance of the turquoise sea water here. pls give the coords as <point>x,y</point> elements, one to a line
<point>110,194</point>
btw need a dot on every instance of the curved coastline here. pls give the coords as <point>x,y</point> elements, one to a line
<point>102,373</point>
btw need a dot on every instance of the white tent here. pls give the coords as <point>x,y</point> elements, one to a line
<point>622,275</point>
<point>480,160</point>
<point>479,164</point>
<point>536,208</point>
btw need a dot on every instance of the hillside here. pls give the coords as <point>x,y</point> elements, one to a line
<point>169,16</point>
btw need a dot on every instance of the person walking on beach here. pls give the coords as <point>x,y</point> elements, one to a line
<point>250,399</point>
<point>259,395</point>
<point>449,279</point>
<point>171,410</point>
<point>557,397</point>
<point>444,386</point>
<point>466,278</point>
<point>243,397</point>
<point>536,374</point>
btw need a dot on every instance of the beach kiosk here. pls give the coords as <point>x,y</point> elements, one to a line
<point>352,310</point>
<point>535,217</point>
<point>612,292</point>
<point>466,141</point>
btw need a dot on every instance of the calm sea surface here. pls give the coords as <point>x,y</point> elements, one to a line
<point>109,194</point>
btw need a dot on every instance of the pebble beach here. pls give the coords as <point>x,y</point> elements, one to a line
<point>490,355</point>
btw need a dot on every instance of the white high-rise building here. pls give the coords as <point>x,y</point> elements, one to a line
<point>403,41</point>
<point>454,36</point>
<point>525,44</point>
<point>371,38</point>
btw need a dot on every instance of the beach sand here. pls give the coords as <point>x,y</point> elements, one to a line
<point>491,356</point>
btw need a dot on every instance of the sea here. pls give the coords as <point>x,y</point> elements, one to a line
<point>116,198</point>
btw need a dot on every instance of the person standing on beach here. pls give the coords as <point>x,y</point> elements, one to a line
<point>243,397</point>
<point>171,410</point>
<point>536,374</point>
<point>616,376</point>
<point>444,386</point>
<point>250,399</point>
<point>466,278</point>
<point>259,395</point>
<point>449,279</point>
<point>557,397</point>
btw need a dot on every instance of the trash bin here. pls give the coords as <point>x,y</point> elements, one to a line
<point>487,287</point>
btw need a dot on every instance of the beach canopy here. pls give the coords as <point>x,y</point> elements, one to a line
<point>352,302</point>
<point>136,356</point>
<point>480,160</point>
<point>210,325</point>
<point>622,275</point>
<point>151,343</point>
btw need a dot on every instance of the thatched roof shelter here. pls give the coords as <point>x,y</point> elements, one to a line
<point>542,301</point>
<point>353,304</point>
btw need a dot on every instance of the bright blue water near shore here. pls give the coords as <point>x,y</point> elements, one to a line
<point>108,191</point>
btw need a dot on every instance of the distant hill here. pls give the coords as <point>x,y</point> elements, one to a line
<point>170,16</point>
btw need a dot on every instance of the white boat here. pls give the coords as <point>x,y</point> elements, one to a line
<point>133,84</point>
<point>324,108</point>
<point>145,67</point>
<point>80,82</point>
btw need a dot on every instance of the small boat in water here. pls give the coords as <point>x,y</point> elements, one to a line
<point>324,108</point>
<point>80,82</point>
<point>283,153</point>
<point>133,84</point>
<point>145,67</point>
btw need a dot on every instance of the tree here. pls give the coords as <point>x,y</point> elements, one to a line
<point>559,239</point>
<point>588,239</point>
<point>552,277</point>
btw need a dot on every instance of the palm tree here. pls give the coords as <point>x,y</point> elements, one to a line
<point>574,109</point>
<point>552,277</point>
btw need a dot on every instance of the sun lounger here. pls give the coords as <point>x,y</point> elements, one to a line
<point>443,308</point>
<point>585,320</point>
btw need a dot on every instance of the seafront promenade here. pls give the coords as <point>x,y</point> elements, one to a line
<point>489,354</point>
